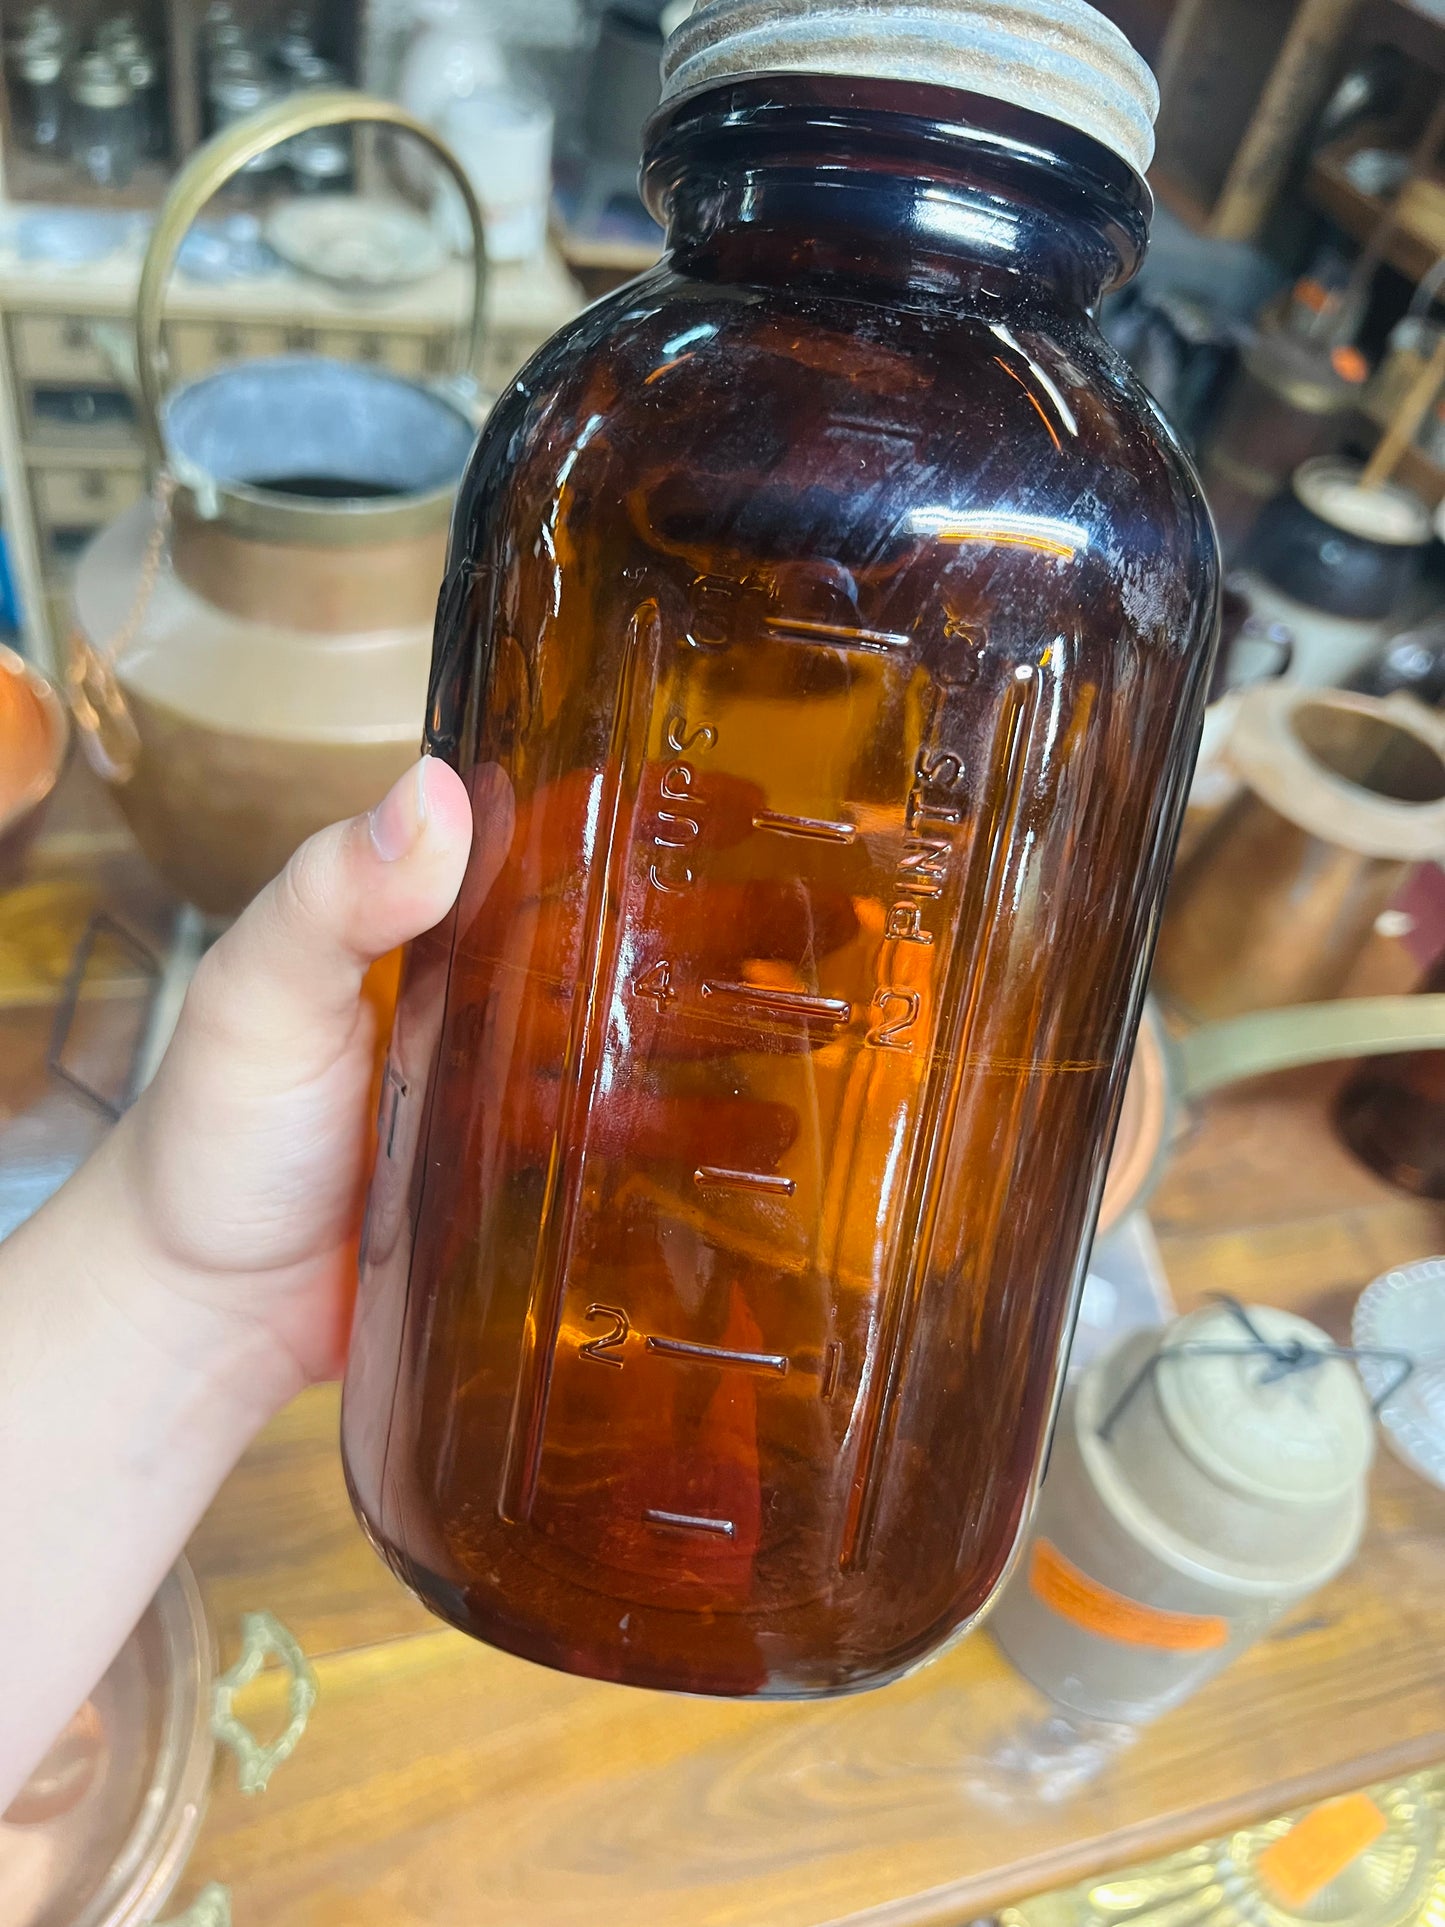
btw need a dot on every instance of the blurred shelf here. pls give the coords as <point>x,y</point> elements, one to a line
<point>1416,470</point>
<point>36,177</point>
<point>1329,187</point>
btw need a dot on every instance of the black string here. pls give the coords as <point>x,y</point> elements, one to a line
<point>1286,1358</point>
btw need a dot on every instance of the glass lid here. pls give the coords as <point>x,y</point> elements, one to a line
<point>99,1834</point>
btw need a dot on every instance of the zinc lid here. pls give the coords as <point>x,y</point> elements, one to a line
<point>1061,58</point>
<point>96,81</point>
<point>1277,1435</point>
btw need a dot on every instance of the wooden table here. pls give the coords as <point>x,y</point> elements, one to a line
<point>441,1783</point>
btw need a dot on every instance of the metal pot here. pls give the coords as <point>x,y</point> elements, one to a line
<point>268,674</point>
<point>1170,1073</point>
<point>1341,795</point>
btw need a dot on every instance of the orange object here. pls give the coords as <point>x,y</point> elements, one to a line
<point>1318,1848</point>
<point>34,736</point>
<point>380,987</point>
<point>1348,363</point>
<point>1073,1595</point>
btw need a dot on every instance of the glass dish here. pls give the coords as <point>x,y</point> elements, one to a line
<point>1366,1860</point>
<point>99,1835</point>
<point>1404,1311</point>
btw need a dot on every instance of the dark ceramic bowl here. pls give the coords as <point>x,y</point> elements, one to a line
<point>1340,548</point>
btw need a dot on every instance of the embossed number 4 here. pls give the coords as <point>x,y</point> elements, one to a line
<point>656,983</point>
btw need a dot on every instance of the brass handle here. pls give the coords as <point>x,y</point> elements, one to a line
<point>262,1637</point>
<point>223,157</point>
<point>1279,1040</point>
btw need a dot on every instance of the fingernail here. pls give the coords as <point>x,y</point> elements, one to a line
<point>400,817</point>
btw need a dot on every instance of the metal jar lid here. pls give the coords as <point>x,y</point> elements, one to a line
<point>40,62</point>
<point>225,37</point>
<point>1055,57</point>
<point>1261,1435</point>
<point>295,45</point>
<point>1235,1446</point>
<point>138,64</point>
<point>44,24</point>
<point>96,81</point>
<point>237,86</point>
<point>238,89</point>
<point>321,156</point>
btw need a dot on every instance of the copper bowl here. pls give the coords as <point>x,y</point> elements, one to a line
<point>1141,1144</point>
<point>34,738</point>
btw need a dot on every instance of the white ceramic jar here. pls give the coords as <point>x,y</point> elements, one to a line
<point>1191,1499</point>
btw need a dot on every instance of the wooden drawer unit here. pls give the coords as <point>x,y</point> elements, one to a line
<point>61,415</point>
<point>411,354</point>
<point>84,497</point>
<point>196,347</point>
<point>60,347</point>
<point>72,503</point>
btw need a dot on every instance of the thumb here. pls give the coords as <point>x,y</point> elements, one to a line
<point>288,974</point>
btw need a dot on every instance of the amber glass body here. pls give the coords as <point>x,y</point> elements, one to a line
<point>825,639</point>
<point>1392,1113</point>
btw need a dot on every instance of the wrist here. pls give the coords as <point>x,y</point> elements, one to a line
<point>122,1409</point>
<point>225,1366</point>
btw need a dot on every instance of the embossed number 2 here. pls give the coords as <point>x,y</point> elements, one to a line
<point>887,1034</point>
<point>610,1341</point>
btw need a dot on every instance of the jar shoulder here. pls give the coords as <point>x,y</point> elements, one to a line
<point>821,413</point>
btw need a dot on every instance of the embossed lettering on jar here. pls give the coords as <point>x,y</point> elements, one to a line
<point>824,640</point>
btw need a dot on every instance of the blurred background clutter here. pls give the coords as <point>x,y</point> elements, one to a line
<point>238,385</point>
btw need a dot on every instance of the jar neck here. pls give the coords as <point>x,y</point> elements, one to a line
<point>898,189</point>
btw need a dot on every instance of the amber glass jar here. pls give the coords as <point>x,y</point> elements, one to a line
<point>825,639</point>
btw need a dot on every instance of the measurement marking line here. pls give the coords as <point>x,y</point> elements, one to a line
<point>842,633</point>
<point>816,827</point>
<point>832,1359</point>
<point>719,1354</point>
<point>781,1003</point>
<point>689,1522</point>
<point>716,1176</point>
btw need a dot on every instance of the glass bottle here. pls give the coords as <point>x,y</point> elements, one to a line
<point>824,643</point>
<point>294,49</point>
<point>40,64</point>
<point>101,121</point>
<point>237,89</point>
<point>1392,1113</point>
<point>320,159</point>
<point>138,63</point>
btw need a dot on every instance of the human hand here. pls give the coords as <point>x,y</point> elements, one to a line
<point>244,1162</point>
<point>197,1270</point>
